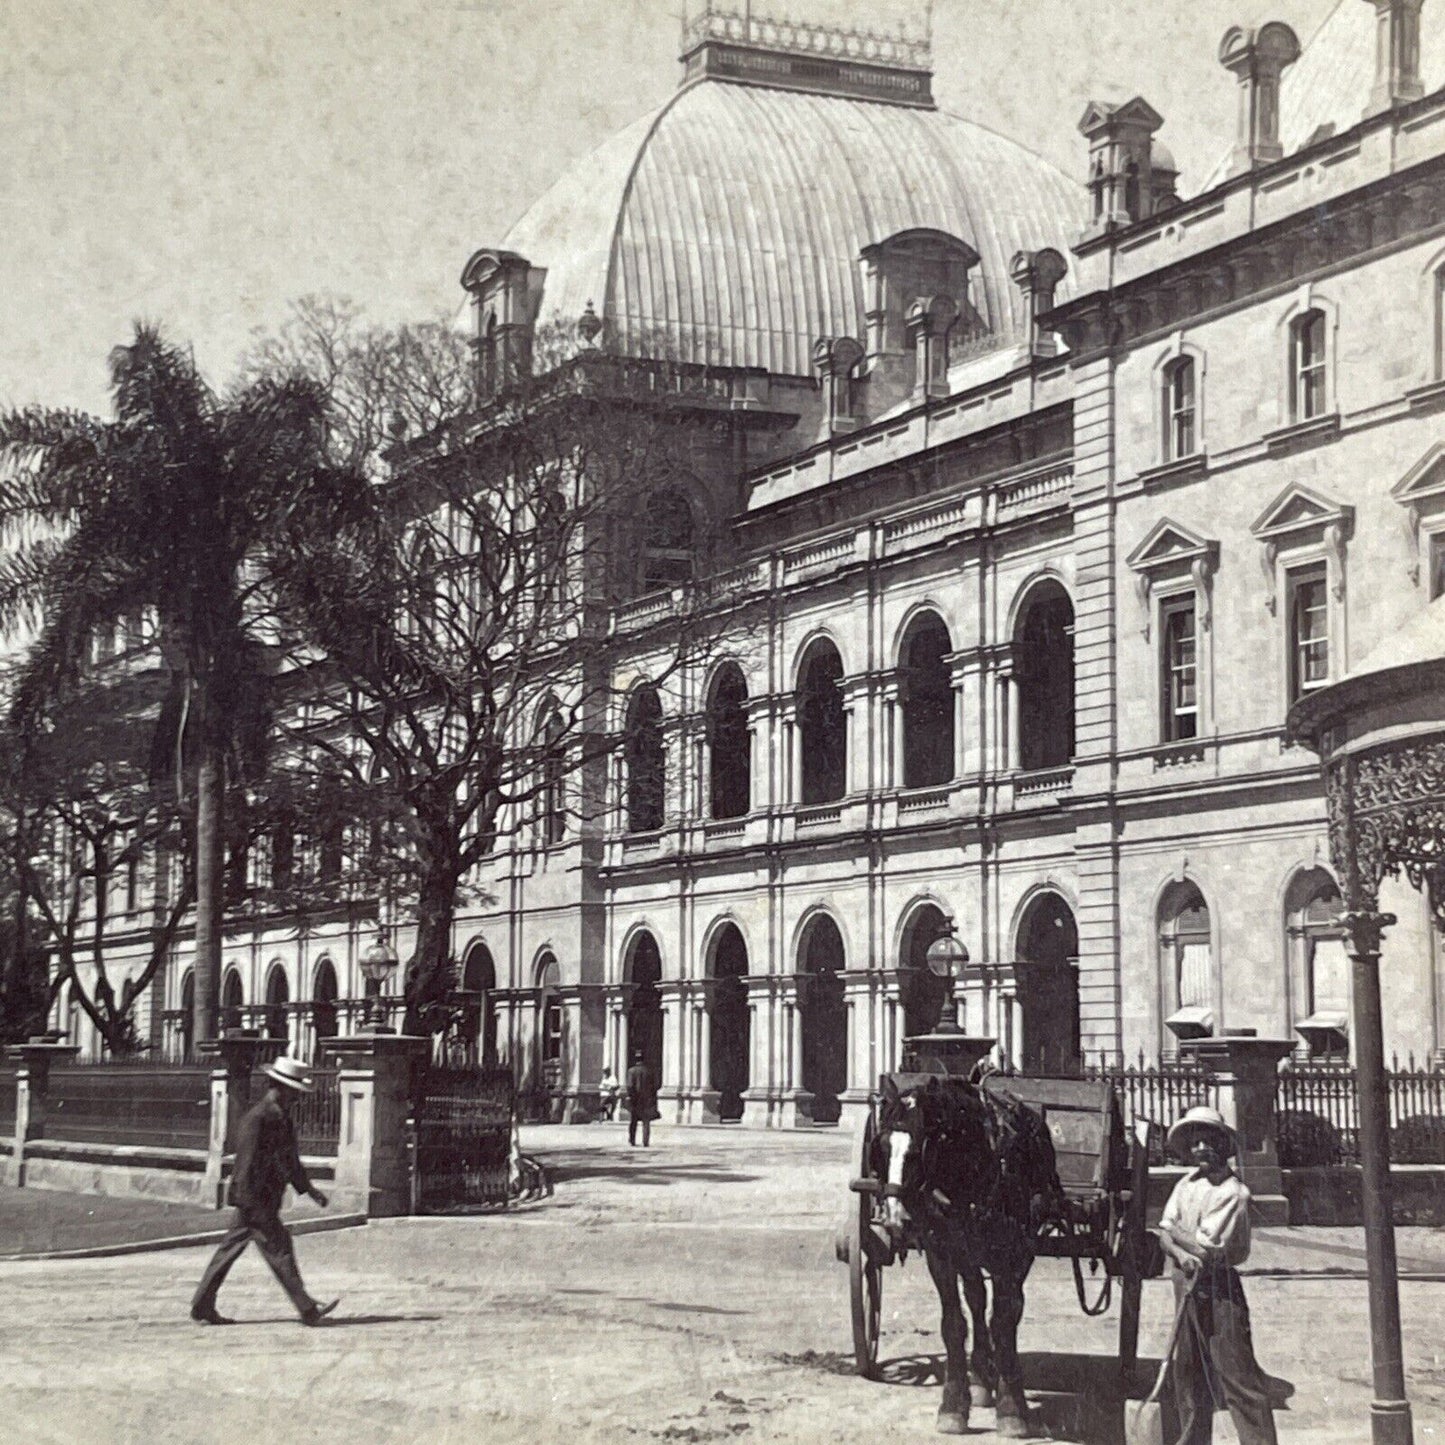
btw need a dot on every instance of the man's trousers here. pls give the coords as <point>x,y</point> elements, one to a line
<point>633,1124</point>
<point>1215,1367</point>
<point>269,1236</point>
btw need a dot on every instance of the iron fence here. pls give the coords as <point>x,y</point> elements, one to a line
<point>1155,1093</point>
<point>130,1102</point>
<point>9,1088</point>
<point>1318,1114</point>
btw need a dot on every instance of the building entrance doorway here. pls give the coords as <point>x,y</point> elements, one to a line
<point>731,1032</point>
<point>825,1019</point>
<point>644,1006</point>
<point>922,990</point>
<point>1048,988</point>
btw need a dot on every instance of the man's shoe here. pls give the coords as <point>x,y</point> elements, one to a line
<point>317,1313</point>
<point>210,1317</point>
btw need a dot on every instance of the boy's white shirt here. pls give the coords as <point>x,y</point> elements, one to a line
<point>1215,1215</point>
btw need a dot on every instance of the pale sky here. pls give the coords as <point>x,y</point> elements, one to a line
<point>201,162</point>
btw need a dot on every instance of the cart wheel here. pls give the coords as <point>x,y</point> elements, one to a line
<point>865,1275</point>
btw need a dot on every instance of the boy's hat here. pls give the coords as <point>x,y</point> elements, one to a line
<point>1201,1119</point>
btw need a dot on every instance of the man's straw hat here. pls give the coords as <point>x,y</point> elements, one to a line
<point>293,1073</point>
<point>1201,1119</point>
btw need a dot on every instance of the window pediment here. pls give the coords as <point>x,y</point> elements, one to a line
<point>1172,550</point>
<point>1297,513</point>
<point>1421,492</point>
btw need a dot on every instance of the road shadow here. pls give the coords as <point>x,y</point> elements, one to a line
<point>337,1322</point>
<point>633,1170</point>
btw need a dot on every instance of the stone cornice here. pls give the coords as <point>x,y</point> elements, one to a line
<point>1375,218</point>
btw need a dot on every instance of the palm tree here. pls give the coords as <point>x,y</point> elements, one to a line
<point>171,509</point>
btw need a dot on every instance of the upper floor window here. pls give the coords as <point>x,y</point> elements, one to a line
<point>1181,435</point>
<point>1308,343</point>
<point>1309,630</point>
<point>667,542</point>
<point>926,690</point>
<point>729,744</point>
<point>1437,565</point>
<point>1043,650</point>
<point>1179,683</point>
<point>554,766</point>
<point>823,726</point>
<point>645,761</point>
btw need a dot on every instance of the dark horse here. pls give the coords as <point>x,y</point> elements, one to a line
<point>973,1171</point>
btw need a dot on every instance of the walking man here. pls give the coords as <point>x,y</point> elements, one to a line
<point>266,1162</point>
<point>1205,1230</point>
<point>641,1100</point>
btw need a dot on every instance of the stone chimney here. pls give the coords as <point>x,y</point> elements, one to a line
<point>1037,274</point>
<point>506,290</point>
<point>1121,168</point>
<point>928,322</point>
<point>1258,58</point>
<point>836,358</point>
<point>1397,54</point>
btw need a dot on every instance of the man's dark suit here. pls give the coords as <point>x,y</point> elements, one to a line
<point>641,1103</point>
<point>266,1162</point>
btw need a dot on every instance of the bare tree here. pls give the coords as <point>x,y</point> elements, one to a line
<point>77,799</point>
<point>465,634</point>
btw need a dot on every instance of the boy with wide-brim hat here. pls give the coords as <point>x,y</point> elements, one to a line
<point>267,1161</point>
<point>1205,1231</point>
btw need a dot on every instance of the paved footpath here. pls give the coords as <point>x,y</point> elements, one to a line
<point>684,1293</point>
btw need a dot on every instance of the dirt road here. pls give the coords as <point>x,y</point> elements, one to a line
<point>686,1293</point>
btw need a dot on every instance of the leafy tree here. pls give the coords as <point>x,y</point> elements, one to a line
<point>173,506</point>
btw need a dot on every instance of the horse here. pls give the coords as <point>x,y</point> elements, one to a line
<point>972,1171</point>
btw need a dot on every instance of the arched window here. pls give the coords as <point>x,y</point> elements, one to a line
<point>1047,967</point>
<point>922,990</point>
<point>324,994</point>
<point>729,745</point>
<point>551,542</point>
<point>730,1034</point>
<point>554,774</point>
<point>1044,668</point>
<point>188,1016</point>
<point>667,547</point>
<point>423,589</point>
<point>926,694</point>
<point>479,982</point>
<point>232,1000</point>
<point>278,995</point>
<point>1319,964</point>
<point>549,1021</point>
<point>646,762</point>
<point>822,725</point>
<point>1308,369</point>
<point>643,974</point>
<point>1181,434</point>
<point>1186,957</point>
<point>825,1018</point>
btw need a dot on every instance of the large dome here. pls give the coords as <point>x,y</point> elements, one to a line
<point>726,226</point>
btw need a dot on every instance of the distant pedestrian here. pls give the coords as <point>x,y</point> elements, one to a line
<point>266,1162</point>
<point>1205,1230</point>
<point>641,1100</point>
<point>607,1092</point>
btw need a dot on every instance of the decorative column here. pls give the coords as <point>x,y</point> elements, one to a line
<point>757,1097</point>
<point>795,1104</point>
<point>1246,1069</point>
<point>859,993</point>
<point>373,1157</point>
<point>32,1091</point>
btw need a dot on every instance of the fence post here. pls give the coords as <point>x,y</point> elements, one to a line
<point>236,1054</point>
<point>32,1092</point>
<point>1247,1071</point>
<point>373,1080</point>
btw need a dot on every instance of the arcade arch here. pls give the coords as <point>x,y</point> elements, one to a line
<point>1046,953</point>
<point>824,1064</point>
<point>479,1011</point>
<point>729,746</point>
<point>1043,653</point>
<point>922,991</point>
<point>926,696</point>
<point>643,974</point>
<point>822,725</point>
<point>731,1032</point>
<point>324,993</point>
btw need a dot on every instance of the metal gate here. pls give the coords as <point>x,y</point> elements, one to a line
<point>464,1124</point>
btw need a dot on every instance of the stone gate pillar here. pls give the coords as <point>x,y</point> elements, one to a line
<point>32,1091</point>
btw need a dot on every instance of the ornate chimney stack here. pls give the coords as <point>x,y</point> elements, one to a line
<point>1258,58</point>
<point>928,322</point>
<point>836,358</point>
<point>1121,164</point>
<point>1037,274</point>
<point>1397,54</point>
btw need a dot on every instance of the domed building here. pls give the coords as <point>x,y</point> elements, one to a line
<point>1055,496</point>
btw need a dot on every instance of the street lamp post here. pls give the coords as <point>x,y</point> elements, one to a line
<point>946,958</point>
<point>378,963</point>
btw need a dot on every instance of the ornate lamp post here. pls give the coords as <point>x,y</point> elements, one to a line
<point>946,958</point>
<point>378,963</point>
<point>1380,734</point>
